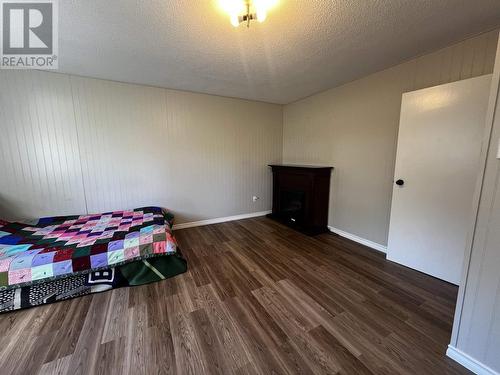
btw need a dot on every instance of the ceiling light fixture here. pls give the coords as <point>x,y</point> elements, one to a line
<point>246,10</point>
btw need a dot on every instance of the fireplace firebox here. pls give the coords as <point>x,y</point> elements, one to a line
<point>292,205</point>
<point>300,197</point>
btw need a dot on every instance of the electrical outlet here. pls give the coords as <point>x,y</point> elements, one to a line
<point>255,198</point>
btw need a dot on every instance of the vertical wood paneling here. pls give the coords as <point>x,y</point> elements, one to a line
<point>354,128</point>
<point>39,158</point>
<point>230,144</point>
<point>123,143</point>
<point>71,145</point>
<point>477,326</point>
<point>201,156</point>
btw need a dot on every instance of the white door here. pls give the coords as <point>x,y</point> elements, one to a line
<point>437,163</point>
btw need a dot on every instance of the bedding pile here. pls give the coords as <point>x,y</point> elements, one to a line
<point>69,256</point>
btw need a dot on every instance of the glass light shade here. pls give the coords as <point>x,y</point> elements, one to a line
<point>235,20</point>
<point>261,15</point>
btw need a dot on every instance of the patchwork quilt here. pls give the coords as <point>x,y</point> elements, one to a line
<point>58,247</point>
<point>130,274</point>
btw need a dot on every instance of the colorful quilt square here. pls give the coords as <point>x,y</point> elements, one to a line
<point>106,234</point>
<point>31,229</point>
<point>10,251</point>
<point>87,242</point>
<point>131,242</point>
<point>159,229</point>
<point>146,249</point>
<point>116,245</point>
<point>52,236</point>
<point>3,234</point>
<point>116,257</point>
<point>81,263</point>
<point>62,268</point>
<point>159,237</point>
<point>147,230</point>
<point>171,247</point>
<point>77,239</point>
<point>5,264</point>
<point>20,262</point>
<point>42,272</point>
<point>132,252</point>
<point>43,258</point>
<point>98,229</point>
<point>67,236</point>
<point>98,248</point>
<point>4,279</point>
<point>11,239</point>
<point>81,252</point>
<point>145,239</point>
<point>159,247</point>
<point>132,235</point>
<point>19,276</point>
<point>46,230</point>
<point>99,260</point>
<point>64,254</point>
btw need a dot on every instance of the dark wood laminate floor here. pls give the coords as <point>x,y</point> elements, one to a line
<point>258,299</point>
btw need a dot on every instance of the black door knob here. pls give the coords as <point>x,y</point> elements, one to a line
<point>400,182</point>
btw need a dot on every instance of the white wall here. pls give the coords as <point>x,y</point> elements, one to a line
<point>354,129</point>
<point>71,145</point>
<point>476,331</point>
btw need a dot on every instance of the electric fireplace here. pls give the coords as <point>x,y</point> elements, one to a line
<point>301,197</point>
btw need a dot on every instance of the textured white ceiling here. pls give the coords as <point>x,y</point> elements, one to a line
<point>305,46</point>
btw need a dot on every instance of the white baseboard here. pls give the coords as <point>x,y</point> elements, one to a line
<point>220,220</point>
<point>468,362</point>
<point>360,240</point>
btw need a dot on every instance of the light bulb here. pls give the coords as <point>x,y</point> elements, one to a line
<point>261,8</point>
<point>234,20</point>
<point>261,15</point>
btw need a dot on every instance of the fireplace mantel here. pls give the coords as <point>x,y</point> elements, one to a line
<point>301,196</point>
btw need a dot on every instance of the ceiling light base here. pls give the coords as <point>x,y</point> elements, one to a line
<point>247,18</point>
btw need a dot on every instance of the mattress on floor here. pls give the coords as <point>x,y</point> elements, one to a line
<point>66,256</point>
<point>131,274</point>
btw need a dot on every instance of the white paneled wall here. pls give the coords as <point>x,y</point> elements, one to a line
<point>476,331</point>
<point>40,171</point>
<point>228,153</point>
<point>123,143</point>
<point>71,145</point>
